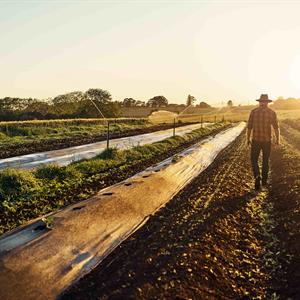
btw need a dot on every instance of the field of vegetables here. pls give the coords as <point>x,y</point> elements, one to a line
<point>217,239</point>
<point>26,194</point>
<point>26,137</point>
<point>19,138</point>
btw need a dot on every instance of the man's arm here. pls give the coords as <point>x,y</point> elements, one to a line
<point>277,134</point>
<point>276,128</point>
<point>249,135</point>
<point>249,127</point>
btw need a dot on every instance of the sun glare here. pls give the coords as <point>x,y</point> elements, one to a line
<point>294,73</point>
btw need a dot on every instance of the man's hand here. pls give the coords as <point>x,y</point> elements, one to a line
<point>275,142</point>
<point>277,136</point>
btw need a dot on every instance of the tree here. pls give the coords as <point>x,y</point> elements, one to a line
<point>67,104</point>
<point>157,101</point>
<point>38,110</point>
<point>12,108</point>
<point>129,102</point>
<point>68,98</point>
<point>98,95</point>
<point>97,103</point>
<point>204,105</point>
<point>229,103</point>
<point>70,105</point>
<point>10,104</point>
<point>190,100</point>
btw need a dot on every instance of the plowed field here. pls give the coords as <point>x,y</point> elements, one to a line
<point>217,239</point>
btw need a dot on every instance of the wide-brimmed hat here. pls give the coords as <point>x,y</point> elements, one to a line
<point>264,98</point>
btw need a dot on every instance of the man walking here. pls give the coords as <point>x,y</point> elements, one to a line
<point>260,121</point>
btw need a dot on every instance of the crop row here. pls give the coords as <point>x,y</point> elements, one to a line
<point>17,131</point>
<point>285,194</point>
<point>293,123</point>
<point>35,132</point>
<point>69,122</point>
<point>29,140</point>
<point>28,194</point>
<point>291,132</point>
<point>56,127</point>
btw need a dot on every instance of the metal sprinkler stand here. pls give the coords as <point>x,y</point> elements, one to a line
<point>107,139</point>
<point>177,117</point>
<point>174,127</point>
<point>98,109</point>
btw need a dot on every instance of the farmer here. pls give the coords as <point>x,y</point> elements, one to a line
<point>259,124</point>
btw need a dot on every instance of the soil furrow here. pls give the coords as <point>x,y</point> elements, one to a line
<point>212,241</point>
<point>217,239</point>
<point>285,196</point>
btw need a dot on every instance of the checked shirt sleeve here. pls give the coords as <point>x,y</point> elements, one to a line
<point>275,121</point>
<point>250,121</point>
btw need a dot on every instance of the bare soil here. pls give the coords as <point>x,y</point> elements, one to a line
<point>217,239</point>
<point>285,194</point>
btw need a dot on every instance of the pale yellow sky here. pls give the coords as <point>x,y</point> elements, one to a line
<point>214,50</point>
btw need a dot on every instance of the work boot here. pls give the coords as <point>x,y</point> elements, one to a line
<point>257,183</point>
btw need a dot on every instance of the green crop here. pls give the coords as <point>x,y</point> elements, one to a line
<point>28,194</point>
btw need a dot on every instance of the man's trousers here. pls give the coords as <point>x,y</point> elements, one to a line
<point>256,148</point>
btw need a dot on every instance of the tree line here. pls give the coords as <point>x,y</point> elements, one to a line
<point>93,103</point>
<point>286,103</point>
<point>70,105</point>
<point>161,101</point>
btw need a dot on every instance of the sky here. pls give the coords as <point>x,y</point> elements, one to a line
<point>213,50</point>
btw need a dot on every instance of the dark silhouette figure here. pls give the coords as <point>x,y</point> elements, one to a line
<point>260,121</point>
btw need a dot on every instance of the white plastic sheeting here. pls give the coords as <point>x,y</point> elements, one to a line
<point>68,155</point>
<point>85,233</point>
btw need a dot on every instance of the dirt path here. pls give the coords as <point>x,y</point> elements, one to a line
<point>285,194</point>
<point>215,240</point>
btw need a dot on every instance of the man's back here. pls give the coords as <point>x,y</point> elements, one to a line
<point>260,121</point>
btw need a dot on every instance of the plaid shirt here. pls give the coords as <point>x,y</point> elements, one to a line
<point>260,121</point>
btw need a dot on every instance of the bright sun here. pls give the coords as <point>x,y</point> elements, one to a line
<point>295,73</point>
